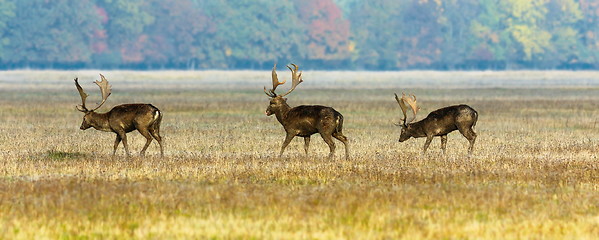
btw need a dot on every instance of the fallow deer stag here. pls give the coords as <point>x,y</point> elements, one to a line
<point>438,123</point>
<point>304,120</point>
<point>122,119</point>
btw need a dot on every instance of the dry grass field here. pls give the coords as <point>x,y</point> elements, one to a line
<point>534,173</point>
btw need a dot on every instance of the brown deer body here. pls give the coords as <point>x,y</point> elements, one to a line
<point>305,120</point>
<point>122,119</point>
<point>438,123</point>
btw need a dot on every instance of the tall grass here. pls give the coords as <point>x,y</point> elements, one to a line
<point>534,172</point>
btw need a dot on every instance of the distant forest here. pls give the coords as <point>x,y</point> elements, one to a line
<point>318,34</point>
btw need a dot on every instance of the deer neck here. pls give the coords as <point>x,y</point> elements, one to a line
<point>281,113</point>
<point>99,121</point>
<point>418,129</point>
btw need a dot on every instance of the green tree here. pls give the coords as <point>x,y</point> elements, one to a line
<point>589,31</point>
<point>455,21</point>
<point>7,8</point>
<point>46,32</point>
<point>524,25</point>
<point>125,23</point>
<point>399,34</point>
<point>510,31</point>
<point>561,20</point>
<point>377,34</point>
<point>490,40</point>
<point>256,31</point>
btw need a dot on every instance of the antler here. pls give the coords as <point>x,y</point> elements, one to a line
<point>411,101</point>
<point>275,83</point>
<point>83,95</point>
<point>104,88</point>
<point>296,78</point>
<point>403,107</point>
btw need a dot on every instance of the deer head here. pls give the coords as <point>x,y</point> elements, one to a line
<point>404,102</point>
<point>278,101</point>
<point>104,88</point>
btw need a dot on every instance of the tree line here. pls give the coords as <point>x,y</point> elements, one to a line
<point>325,34</point>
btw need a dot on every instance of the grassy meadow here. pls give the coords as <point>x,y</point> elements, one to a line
<point>534,173</point>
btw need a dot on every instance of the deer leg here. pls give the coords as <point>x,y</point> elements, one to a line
<point>116,143</point>
<point>469,134</point>
<point>339,136</point>
<point>123,136</point>
<point>429,139</point>
<point>306,144</point>
<point>156,134</point>
<point>148,137</point>
<point>329,140</point>
<point>288,139</point>
<point>443,143</point>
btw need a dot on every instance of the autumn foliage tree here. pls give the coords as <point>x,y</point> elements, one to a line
<point>327,30</point>
<point>330,34</point>
<point>174,37</point>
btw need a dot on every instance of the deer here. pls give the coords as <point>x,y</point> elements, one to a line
<point>121,119</point>
<point>304,120</point>
<point>438,123</point>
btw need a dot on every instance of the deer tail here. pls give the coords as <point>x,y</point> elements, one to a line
<point>339,123</point>
<point>157,115</point>
<point>475,119</point>
<point>157,118</point>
